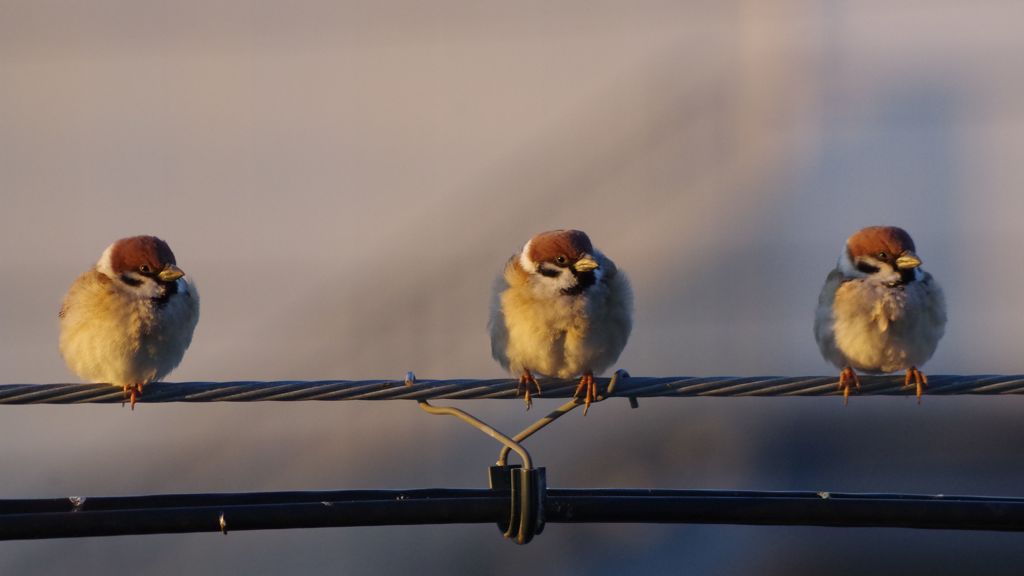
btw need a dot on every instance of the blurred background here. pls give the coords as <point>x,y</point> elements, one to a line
<point>344,181</point>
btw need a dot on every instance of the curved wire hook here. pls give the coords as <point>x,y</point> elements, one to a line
<point>561,411</point>
<point>508,443</point>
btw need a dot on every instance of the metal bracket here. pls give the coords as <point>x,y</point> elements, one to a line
<point>410,379</point>
<point>562,411</point>
<point>526,485</point>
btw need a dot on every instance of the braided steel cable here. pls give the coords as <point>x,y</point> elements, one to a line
<point>468,389</point>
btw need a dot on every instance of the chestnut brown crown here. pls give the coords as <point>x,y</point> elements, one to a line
<point>882,242</point>
<point>144,254</point>
<point>554,244</point>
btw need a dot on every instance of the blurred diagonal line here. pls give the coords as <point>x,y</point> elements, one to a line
<point>175,513</point>
<point>467,389</point>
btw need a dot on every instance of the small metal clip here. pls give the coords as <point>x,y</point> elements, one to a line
<point>527,488</point>
<point>620,375</point>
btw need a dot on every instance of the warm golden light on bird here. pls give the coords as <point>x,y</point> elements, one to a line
<point>560,309</point>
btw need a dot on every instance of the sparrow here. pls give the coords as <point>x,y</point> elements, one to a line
<point>560,309</point>
<point>128,320</point>
<point>879,311</point>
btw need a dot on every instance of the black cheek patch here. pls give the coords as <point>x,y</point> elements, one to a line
<point>130,281</point>
<point>867,268</point>
<point>548,272</point>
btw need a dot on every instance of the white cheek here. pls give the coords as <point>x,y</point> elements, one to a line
<point>565,280</point>
<point>886,273</point>
<point>890,275</point>
<point>548,287</point>
<point>147,289</point>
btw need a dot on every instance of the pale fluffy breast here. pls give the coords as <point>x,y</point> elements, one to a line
<point>559,335</point>
<point>875,327</point>
<point>108,335</point>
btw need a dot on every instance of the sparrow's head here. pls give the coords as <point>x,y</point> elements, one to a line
<point>883,252</point>
<point>562,260</point>
<point>142,265</point>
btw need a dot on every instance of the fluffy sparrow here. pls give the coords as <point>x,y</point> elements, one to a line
<point>879,311</point>
<point>560,309</point>
<point>128,320</point>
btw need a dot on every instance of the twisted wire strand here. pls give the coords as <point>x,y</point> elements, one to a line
<point>469,389</point>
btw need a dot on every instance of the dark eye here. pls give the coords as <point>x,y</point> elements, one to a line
<point>561,260</point>
<point>883,256</point>
<point>145,269</point>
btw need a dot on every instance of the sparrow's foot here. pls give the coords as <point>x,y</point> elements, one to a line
<point>588,387</point>
<point>526,381</point>
<point>918,378</point>
<point>131,392</point>
<point>846,378</point>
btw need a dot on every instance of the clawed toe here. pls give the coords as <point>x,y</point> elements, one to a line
<point>588,388</point>
<point>131,393</point>
<point>527,381</point>
<point>918,379</point>
<point>847,378</point>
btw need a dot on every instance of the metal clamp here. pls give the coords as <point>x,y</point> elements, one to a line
<point>526,485</point>
<point>528,490</point>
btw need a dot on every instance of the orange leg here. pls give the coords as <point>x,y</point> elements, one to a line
<point>131,392</point>
<point>918,378</point>
<point>846,378</point>
<point>588,388</point>
<point>526,380</point>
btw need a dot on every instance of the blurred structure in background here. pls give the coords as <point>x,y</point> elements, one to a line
<point>347,179</point>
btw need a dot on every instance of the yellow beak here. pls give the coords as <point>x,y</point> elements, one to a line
<point>170,273</point>
<point>585,265</point>
<point>907,260</point>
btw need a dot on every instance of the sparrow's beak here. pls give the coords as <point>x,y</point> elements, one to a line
<point>170,273</point>
<point>907,260</point>
<point>585,265</point>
